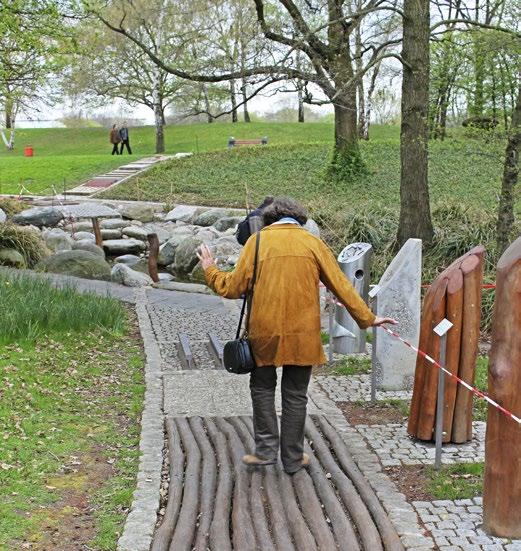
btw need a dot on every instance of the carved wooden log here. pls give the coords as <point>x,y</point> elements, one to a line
<point>97,232</point>
<point>472,268</point>
<point>502,491</point>
<point>153,253</point>
<point>455,315</point>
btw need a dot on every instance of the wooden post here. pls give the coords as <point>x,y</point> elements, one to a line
<point>502,491</point>
<point>97,232</point>
<point>153,253</point>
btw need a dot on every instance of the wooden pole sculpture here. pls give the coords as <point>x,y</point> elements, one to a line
<point>97,231</point>
<point>153,253</point>
<point>455,295</point>
<point>502,492</point>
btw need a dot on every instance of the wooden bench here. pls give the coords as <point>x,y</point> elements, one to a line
<point>232,142</point>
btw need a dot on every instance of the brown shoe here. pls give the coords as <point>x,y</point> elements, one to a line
<point>254,461</point>
<point>304,463</point>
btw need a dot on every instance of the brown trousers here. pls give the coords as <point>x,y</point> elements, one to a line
<point>294,387</point>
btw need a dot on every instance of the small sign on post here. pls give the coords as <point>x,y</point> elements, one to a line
<point>441,330</point>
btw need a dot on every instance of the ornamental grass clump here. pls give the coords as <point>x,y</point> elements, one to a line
<point>27,241</point>
<point>32,307</point>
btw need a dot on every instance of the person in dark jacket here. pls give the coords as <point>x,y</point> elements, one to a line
<point>114,139</point>
<point>123,134</point>
<point>253,222</point>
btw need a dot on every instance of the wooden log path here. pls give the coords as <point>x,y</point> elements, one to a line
<point>216,503</point>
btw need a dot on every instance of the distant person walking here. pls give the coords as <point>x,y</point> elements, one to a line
<point>114,139</point>
<point>123,134</point>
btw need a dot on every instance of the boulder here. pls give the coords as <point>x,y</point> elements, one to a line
<point>137,211</point>
<point>167,250</point>
<point>224,249</point>
<point>77,263</point>
<point>127,276</point>
<point>186,256</point>
<point>208,234</point>
<point>136,232</point>
<point>226,223</point>
<point>129,260</point>
<point>164,277</point>
<point>210,217</point>
<point>39,216</point>
<point>184,213</point>
<point>111,234</point>
<point>12,258</point>
<point>197,274</point>
<point>76,227</point>
<point>88,245</point>
<point>163,230</point>
<point>312,227</point>
<point>57,240</point>
<point>84,236</point>
<point>123,246</point>
<point>113,223</point>
<point>3,216</point>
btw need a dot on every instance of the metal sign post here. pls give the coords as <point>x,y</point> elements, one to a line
<point>373,297</point>
<point>441,330</point>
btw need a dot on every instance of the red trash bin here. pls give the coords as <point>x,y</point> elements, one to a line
<point>28,151</point>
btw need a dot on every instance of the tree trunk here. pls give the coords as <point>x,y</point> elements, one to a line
<point>361,112</point>
<point>207,103</point>
<point>158,113</point>
<point>505,219</point>
<point>233,99</point>
<point>9,113</point>
<point>244,91</point>
<point>415,214</point>
<point>300,96</point>
<point>478,99</point>
<point>346,128</point>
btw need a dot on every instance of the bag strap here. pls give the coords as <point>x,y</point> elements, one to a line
<point>248,297</point>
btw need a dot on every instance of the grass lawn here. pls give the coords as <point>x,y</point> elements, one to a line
<point>69,418</point>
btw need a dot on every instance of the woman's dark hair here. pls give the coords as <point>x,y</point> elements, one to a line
<point>282,207</point>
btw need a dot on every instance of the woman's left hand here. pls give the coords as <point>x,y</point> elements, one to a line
<point>383,321</point>
<point>204,254</point>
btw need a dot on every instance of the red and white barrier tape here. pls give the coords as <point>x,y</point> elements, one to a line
<point>475,391</point>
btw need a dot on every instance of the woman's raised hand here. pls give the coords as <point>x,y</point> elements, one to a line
<point>204,254</point>
<point>382,321</point>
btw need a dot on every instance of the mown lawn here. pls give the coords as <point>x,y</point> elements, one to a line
<point>70,405</point>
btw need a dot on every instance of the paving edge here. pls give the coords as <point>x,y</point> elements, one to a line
<point>140,523</point>
<point>402,514</point>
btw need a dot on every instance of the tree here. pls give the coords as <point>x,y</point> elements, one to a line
<point>415,215</point>
<point>510,175</point>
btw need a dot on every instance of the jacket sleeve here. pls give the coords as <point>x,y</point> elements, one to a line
<point>233,284</point>
<point>334,279</point>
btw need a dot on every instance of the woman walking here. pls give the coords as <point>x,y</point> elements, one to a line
<point>114,139</point>
<point>284,325</point>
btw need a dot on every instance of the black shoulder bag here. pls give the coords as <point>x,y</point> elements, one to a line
<point>237,354</point>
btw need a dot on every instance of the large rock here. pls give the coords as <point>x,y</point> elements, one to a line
<point>399,297</point>
<point>226,223</point>
<point>76,263</point>
<point>12,258</point>
<point>113,223</point>
<point>136,232</point>
<point>129,260</point>
<point>226,251</point>
<point>39,217</point>
<point>186,256</point>
<point>57,240</point>
<point>164,231</point>
<point>210,217</point>
<point>3,216</point>
<point>123,246</point>
<point>184,213</point>
<point>129,277</point>
<point>111,234</point>
<point>84,236</point>
<point>208,234</point>
<point>137,211</point>
<point>75,227</point>
<point>88,245</point>
<point>167,250</point>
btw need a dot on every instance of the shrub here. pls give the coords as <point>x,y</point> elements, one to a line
<point>11,206</point>
<point>32,307</point>
<point>26,241</point>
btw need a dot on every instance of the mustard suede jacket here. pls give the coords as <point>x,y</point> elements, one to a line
<point>285,316</point>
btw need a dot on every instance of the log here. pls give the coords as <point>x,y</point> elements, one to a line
<point>502,490</point>
<point>97,232</point>
<point>472,268</point>
<point>153,253</point>
<point>430,387</point>
<point>454,313</point>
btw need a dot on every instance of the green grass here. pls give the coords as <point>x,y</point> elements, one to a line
<point>480,407</point>
<point>32,308</point>
<point>352,365</point>
<point>461,481</point>
<point>68,397</point>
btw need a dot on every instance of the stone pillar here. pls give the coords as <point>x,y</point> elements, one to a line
<point>355,262</point>
<point>399,297</point>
